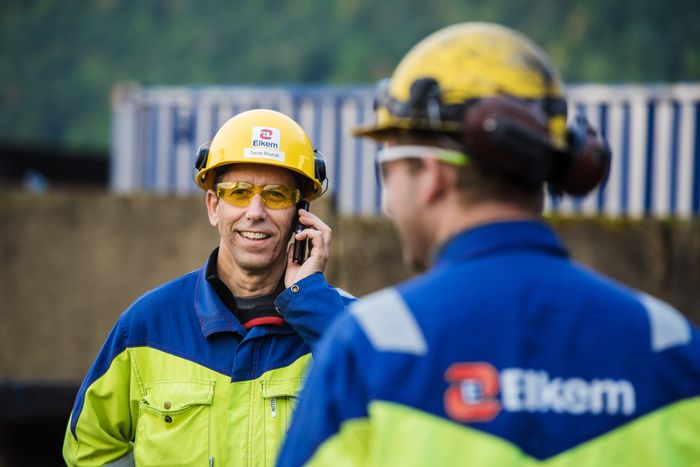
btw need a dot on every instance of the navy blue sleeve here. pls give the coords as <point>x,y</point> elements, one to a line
<point>311,305</point>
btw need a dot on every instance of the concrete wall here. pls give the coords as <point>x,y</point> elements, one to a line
<point>72,262</point>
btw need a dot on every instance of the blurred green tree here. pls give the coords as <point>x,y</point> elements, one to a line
<point>60,59</point>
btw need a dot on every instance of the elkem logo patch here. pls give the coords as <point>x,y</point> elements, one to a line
<point>266,137</point>
<point>471,396</point>
<point>474,387</point>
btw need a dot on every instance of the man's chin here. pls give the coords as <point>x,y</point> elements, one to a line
<point>254,263</point>
<point>413,263</point>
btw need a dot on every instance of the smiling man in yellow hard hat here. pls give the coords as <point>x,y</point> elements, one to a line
<point>205,369</point>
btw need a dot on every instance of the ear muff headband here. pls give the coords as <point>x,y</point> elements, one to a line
<point>511,135</point>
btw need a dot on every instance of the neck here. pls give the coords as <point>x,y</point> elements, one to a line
<point>248,283</point>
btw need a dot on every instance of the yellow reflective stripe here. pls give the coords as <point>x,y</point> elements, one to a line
<point>401,435</point>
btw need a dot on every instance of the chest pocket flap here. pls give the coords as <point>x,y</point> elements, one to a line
<point>281,387</point>
<point>177,396</point>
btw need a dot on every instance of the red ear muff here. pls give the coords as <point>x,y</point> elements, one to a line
<point>585,164</point>
<point>511,136</point>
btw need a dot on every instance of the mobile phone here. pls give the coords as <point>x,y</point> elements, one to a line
<point>300,245</point>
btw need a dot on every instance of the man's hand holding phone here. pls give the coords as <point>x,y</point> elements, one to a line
<point>317,234</point>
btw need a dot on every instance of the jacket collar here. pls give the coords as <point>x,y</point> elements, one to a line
<point>496,237</point>
<point>215,317</point>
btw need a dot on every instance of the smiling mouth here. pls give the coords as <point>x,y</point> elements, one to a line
<point>253,235</point>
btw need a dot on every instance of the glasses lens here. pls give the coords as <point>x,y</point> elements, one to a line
<point>236,194</point>
<point>239,194</point>
<point>280,196</point>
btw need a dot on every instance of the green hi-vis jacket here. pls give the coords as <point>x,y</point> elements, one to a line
<point>179,381</point>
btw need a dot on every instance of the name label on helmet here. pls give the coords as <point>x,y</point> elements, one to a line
<point>254,153</point>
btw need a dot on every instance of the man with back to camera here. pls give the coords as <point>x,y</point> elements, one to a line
<point>205,369</point>
<point>505,352</point>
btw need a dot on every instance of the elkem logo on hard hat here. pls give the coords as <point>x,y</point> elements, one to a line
<point>266,137</point>
<point>265,144</point>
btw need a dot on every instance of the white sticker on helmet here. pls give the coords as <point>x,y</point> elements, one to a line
<point>256,153</point>
<point>266,144</point>
<point>266,137</point>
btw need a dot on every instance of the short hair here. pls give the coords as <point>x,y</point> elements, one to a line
<point>476,181</point>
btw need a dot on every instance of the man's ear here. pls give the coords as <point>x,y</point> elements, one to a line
<point>437,180</point>
<point>212,202</point>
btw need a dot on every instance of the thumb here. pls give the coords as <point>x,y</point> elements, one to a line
<point>292,268</point>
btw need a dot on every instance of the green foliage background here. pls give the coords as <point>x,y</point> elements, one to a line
<point>60,59</point>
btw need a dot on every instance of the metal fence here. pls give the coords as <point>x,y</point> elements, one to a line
<point>654,132</point>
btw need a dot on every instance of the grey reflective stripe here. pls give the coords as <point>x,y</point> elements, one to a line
<point>388,323</point>
<point>668,327</point>
<point>344,293</point>
<point>124,461</point>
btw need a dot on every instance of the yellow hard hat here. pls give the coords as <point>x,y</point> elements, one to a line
<point>458,65</point>
<point>267,137</point>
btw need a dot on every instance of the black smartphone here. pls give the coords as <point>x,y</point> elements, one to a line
<point>300,245</point>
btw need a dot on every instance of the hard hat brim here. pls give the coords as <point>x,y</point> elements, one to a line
<point>397,126</point>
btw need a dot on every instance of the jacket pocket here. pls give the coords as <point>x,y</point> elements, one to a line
<point>173,424</point>
<point>279,399</point>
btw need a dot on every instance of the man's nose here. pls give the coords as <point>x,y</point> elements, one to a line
<point>256,209</point>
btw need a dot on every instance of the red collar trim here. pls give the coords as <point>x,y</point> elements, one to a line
<point>273,320</point>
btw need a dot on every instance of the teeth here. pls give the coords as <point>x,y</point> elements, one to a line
<point>254,235</point>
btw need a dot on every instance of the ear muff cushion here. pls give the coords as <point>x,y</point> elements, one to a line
<point>319,166</point>
<point>511,136</point>
<point>587,161</point>
<point>201,156</point>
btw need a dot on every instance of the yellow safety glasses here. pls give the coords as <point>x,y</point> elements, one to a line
<point>239,194</point>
